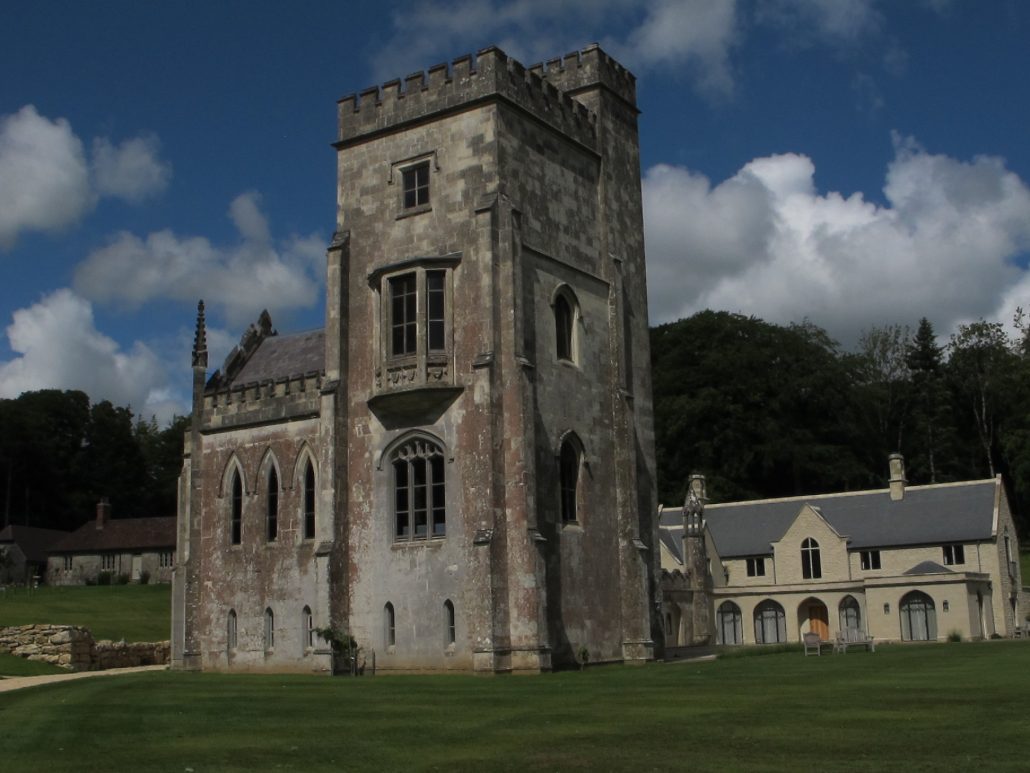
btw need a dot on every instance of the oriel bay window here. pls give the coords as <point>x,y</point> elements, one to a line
<point>415,320</point>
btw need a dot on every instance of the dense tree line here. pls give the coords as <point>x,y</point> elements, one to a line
<point>765,410</point>
<point>59,454</point>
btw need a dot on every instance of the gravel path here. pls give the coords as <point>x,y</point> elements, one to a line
<point>18,682</point>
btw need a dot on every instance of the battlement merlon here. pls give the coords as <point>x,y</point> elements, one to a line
<point>490,74</point>
<point>586,70</point>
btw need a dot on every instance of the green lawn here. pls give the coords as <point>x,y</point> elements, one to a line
<point>12,665</point>
<point>130,612</point>
<point>912,708</point>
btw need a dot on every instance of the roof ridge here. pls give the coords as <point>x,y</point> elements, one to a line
<point>838,494</point>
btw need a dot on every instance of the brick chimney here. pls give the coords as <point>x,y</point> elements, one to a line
<point>897,482</point>
<point>103,512</point>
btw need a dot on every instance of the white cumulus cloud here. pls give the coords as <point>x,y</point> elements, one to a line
<point>766,242</point>
<point>59,347</point>
<point>47,183</point>
<point>132,171</point>
<point>242,278</point>
<point>44,177</point>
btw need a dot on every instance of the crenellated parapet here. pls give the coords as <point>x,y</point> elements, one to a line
<point>587,69</point>
<point>490,74</point>
<point>259,402</point>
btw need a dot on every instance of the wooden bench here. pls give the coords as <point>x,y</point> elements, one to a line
<point>814,644</point>
<point>852,638</point>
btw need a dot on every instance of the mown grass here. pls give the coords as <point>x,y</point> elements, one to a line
<point>130,612</point>
<point>912,708</point>
<point>12,665</point>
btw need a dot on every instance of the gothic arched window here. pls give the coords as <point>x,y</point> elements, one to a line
<point>811,564</point>
<point>272,506</point>
<point>236,510</point>
<point>568,473</point>
<point>565,312</point>
<point>420,501</point>
<point>309,501</point>
<point>389,625</point>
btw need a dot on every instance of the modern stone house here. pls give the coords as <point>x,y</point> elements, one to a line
<point>458,469</point>
<point>906,563</point>
<point>134,547</point>
<point>23,552</point>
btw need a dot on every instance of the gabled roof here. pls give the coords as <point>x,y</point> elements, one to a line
<point>120,534</point>
<point>928,567</point>
<point>936,514</point>
<point>673,540</point>
<point>34,542</point>
<point>282,356</point>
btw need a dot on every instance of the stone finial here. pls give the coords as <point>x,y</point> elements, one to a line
<point>694,506</point>
<point>200,339</point>
<point>897,481</point>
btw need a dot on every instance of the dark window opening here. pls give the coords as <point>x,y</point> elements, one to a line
<point>568,472</point>
<point>435,322</point>
<point>563,318</point>
<point>870,559</point>
<point>756,567</point>
<point>811,564</point>
<point>449,621</point>
<point>236,518</point>
<point>390,634</point>
<point>954,554</point>
<point>403,315</point>
<point>420,495</point>
<point>309,501</point>
<point>416,185</point>
<point>272,512</point>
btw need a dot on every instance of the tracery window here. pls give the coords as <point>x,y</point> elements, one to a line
<point>811,564</point>
<point>420,497</point>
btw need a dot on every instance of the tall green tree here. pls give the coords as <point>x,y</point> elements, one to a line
<point>932,426</point>
<point>883,387</point>
<point>982,365</point>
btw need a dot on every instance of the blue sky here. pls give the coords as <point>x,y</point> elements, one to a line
<point>850,161</point>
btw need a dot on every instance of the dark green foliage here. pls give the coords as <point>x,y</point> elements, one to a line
<point>761,410</point>
<point>59,455</point>
<point>765,410</point>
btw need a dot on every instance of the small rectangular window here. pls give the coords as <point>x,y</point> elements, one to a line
<point>954,554</point>
<point>416,185</point>
<point>67,563</point>
<point>870,559</point>
<point>756,567</point>
<point>107,561</point>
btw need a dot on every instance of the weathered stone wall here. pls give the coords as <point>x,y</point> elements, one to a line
<point>73,647</point>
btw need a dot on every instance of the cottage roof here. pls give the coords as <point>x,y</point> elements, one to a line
<point>936,514</point>
<point>672,538</point>
<point>33,541</point>
<point>928,567</point>
<point>120,534</point>
<point>282,356</point>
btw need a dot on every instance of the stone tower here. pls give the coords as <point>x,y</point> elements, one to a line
<point>475,443</point>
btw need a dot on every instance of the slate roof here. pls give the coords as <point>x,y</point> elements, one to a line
<point>936,514</point>
<point>282,356</point>
<point>120,534</point>
<point>928,567</point>
<point>672,538</point>
<point>34,542</point>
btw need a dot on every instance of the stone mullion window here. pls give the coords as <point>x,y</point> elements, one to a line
<point>420,508</point>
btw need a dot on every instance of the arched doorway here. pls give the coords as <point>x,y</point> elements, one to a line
<point>814,612</point>
<point>918,617</point>
<point>770,623</point>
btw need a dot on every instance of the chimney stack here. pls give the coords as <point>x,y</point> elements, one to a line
<point>103,512</point>
<point>897,482</point>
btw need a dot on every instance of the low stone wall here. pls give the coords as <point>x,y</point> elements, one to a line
<point>73,647</point>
